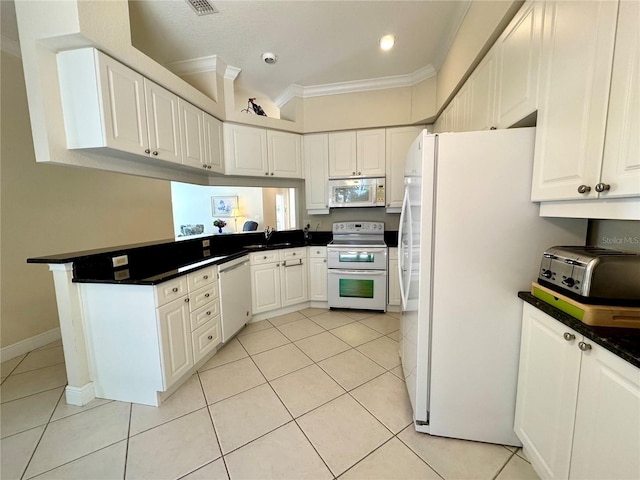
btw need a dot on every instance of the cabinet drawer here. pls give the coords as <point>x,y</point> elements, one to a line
<point>259,258</point>
<point>202,315</point>
<point>293,253</point>
<point>202,296</point>
<point>170,290</point>
<point>202,277</point>
<point>206,338</point>
<point>317,252</point>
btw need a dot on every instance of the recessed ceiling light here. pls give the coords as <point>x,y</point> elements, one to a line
<point>387,42</point>
<point>269,58</point>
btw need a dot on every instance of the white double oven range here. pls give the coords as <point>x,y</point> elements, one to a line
<point>357,266</point>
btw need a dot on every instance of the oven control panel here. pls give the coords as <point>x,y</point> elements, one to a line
<point>358,227</point>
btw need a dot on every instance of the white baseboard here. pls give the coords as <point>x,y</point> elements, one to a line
<point>25,346</point>
<point>80,396</point>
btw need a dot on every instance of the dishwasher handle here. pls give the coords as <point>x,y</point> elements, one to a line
<point>233,266</point>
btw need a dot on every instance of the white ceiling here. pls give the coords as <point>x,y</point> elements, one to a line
<point>317,42</point>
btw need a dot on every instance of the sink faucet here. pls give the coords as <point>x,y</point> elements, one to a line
<point>268,232</point>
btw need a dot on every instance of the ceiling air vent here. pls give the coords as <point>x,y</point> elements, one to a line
<point>203,7</point>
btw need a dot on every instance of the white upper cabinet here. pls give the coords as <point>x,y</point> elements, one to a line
<point>214,156</point>
<point>342,154</point>
<point>358,153</point>
<point>621,162</point>
<point>577,57</point>
<point>284,151</point>
<point>192,125</point>
<point>316,164</point>
<point>398,142</point>
<point>254,152</point>
<point>163,122</point>
<point>518,53</point>
<point>370,156</point>
<point>482,93</point>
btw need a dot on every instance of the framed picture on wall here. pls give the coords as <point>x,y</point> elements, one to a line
<point>224,206</point>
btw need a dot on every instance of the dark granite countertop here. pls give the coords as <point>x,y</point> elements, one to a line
<point>623,342</point>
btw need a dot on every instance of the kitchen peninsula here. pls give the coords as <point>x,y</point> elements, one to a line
<point>136,320</point>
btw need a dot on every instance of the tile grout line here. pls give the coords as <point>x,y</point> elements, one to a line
<point>126,450</point>
<point>503,466</point>
<point>14,373</point>
<point>33,394</point>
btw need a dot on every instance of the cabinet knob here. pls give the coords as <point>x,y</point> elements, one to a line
<point>277,264</point>
<point>186,300</point>
<point>209,167</point>
<point>294,254</point>
<point>266,173</point>
<point>324,261</point>
<point>601,187</point>
<point>206,295</point>
<point>584,189</point>
<point>147,151</point>
<point>204,166</point>
<point>210,337</point>
<point>359,173</point>
<point>247,314</point>
<point>206,277</point>
<point>569,336</point>
<point>174,289</point>
<point>584,346</point>
<point>264,258</point>
<point>272,174</point>
<point>155,153</point>
<point>209,312</point>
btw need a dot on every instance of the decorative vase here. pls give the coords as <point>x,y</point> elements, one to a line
<point>219,229</point>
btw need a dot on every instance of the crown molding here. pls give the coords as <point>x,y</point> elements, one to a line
<point>396,81</point>
<point>194,65</point>
<point>10,46</point>
<point>231,73</point>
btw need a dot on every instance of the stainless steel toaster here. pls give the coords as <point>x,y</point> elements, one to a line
<point>592,274</point>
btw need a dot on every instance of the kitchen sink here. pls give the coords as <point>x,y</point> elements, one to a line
<point>261,246</point>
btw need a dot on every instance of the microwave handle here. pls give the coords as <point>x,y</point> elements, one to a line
<point>357,272</point>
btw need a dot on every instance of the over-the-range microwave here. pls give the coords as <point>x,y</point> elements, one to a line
<point>357,192</point>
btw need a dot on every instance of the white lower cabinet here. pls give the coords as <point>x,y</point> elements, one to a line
<point>145,339</point>
<point>278,279</point>
<point>578,405</point>
<point>393,279</point>
<point>318,274</point>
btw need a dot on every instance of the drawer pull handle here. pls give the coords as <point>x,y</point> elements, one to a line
<point>174,289</point>
<point>206,295</point>
<point>584,189</point>
<point>186,300</point>
<point>584,346</point>
<point>569,336</point>
<point>602,187</point>
<point>209,312</point>
<point>210,337</point>
<point>206,277</point>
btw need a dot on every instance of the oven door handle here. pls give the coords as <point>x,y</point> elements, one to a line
<point>338,271</point>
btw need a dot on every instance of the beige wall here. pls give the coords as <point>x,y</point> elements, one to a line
<point>269,207</point>
<point>47,209</point>
<point>482,25</point>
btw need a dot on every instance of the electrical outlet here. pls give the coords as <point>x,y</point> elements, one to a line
<point>120,261</point>
<point>205,243</point>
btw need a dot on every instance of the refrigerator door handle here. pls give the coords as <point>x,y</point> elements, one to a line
<point>404,289</point>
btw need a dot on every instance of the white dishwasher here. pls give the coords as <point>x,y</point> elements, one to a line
<point>235,304</point>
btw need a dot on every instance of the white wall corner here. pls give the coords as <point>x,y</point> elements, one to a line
<point>29,344</point>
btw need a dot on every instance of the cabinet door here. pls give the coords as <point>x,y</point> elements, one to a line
<point>318,279</point>
<point>482,86</point>
<point>214,159</point>
<point>316,164</point>
<point>192,127</point>
<point>547,391</point>
<point>245,150</point>
<point>176,348</point>
<point>294,282</point>
<point>265,287</point>
<point>342,154</point>
<point>370,155</point>
<point>163,123</point>
<point>518,50</point>
<point>621,163</point>
<point>577,56</point>
<point>125,118</point>
<point>393,293</point>
<point>461,112</point>
<point>606,441</point>
<point>285,154</point>
<point>397,145</point>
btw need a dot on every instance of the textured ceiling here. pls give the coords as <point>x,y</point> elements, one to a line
<point>317,42</point>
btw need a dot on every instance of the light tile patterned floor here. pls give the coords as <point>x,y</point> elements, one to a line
<point>313,394</point>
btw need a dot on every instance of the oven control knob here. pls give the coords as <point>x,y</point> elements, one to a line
<point>547,273</point>
<point>569,282</point>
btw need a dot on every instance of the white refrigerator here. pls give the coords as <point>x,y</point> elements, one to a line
<point>469,239</point>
